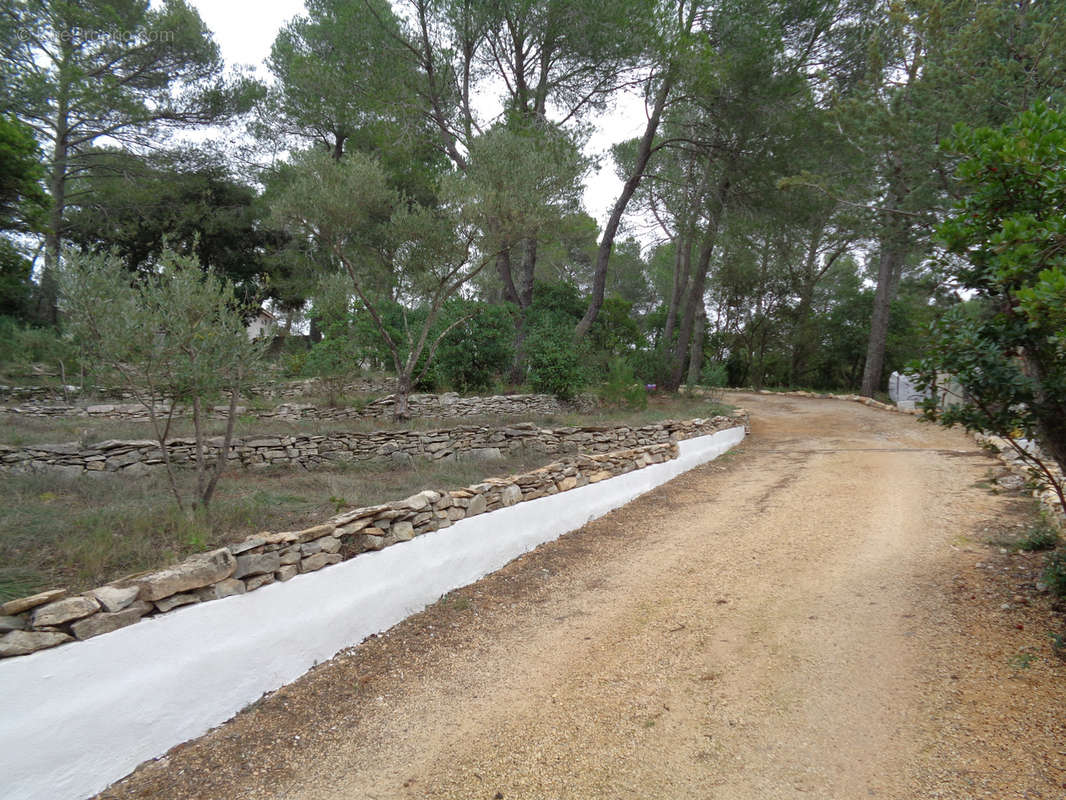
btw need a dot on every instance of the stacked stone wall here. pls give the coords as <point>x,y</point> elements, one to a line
<point>447,405</point>
<point>312,450</point>
<point>54,618</point>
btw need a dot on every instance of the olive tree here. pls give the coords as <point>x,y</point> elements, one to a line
<point>175,339</point>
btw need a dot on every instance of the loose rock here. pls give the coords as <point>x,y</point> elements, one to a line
<point>20,643</point>
<point>65,610</point>
<point>115,598</point>
<point>105,623</point>
<point>12,607</point>
<point>192,573</point>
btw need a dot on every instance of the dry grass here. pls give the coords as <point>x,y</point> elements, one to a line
<point>81,532</point>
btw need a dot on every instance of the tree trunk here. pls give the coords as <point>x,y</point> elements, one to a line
<point>698,280</point>
<point>890,261</point>
<point>517,375</point>
<point>227,442</point>
<point>603,255</point>
<point>682,268</point>
<point>894,239</point>
<point>1050,411</point>
<point>47,305</point>
<point>503,269</point>
<point>315,333</point>
<point>524,298</point>
<point>695,359</point>
<point>401,410</point>
<point>693,300</point>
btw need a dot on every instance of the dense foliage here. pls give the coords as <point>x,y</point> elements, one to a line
<point>771,226</point>
<point>1006,346</point>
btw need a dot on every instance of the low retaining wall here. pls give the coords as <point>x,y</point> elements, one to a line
<point>307,450</point>
<point>420,405</point>
<point>77,718</point>
<point>300,388</point>
<point>50,618</point>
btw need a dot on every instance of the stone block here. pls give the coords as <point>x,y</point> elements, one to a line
<point>66,610</point>
<point>316,532</point>
<point>354,527</point>
<point>566,484</point>
<point>251,543</point>
<point>402,531</point>
<point>326,544</point>
<point>319,560</point>
<point>17,606</point>
<point>289,556</point>
<point>286,572</point>
<point>20,643</point>
<point>193,573</point>
<point>370,541</point>
<point>105,623</point>
<point>478,505</point>
<point>256,564</point>
<point>8,624</point>
<point>115,598</point>
<point>510,495</point>
<point>226,588</point>
<point>175,600</point>
<point>255,582</point>
<point>418,502</point>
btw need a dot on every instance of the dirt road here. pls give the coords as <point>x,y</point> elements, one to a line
<point>813,616</point>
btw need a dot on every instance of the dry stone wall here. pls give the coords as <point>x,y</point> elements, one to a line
<point>420,405</point>
<point>53,618</point>
<point>310,450</point>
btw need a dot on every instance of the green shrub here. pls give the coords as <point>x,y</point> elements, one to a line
<point>1042,536</point>
<point>622,389</point>
<point>22,344</point>
<point>555,362</point>
<point>475,351</point>
<point>1055,573</point>
<point>714,375</point>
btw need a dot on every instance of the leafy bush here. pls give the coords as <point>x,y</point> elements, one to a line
<point>1055,573</point>
<point>622,389</point>
<point>22,344</point>
<point>714,375</point>
<point>555,361</point>
<point>475,351</point>
<point>1040,537</point>
<point>1005,347</point>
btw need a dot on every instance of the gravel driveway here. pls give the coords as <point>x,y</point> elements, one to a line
<point>815,615</point>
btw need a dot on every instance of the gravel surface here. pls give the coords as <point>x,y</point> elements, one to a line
<point>815,615</point>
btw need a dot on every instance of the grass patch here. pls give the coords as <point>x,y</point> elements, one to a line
<point>82,532</point>
<point>21,431</point>
<point>1042,535</point>
<point>1055,573</point>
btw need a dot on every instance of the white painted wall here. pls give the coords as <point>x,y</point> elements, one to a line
<point>77,718</point>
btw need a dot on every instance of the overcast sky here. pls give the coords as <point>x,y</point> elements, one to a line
<point>245,31</point>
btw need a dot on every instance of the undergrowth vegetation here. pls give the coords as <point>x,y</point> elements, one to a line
<point>80,532</point>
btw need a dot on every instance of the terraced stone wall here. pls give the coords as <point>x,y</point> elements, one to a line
<point>54,618</point>
<point>310,450</point>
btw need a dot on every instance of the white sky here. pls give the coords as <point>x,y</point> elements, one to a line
<point>245,31</point>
